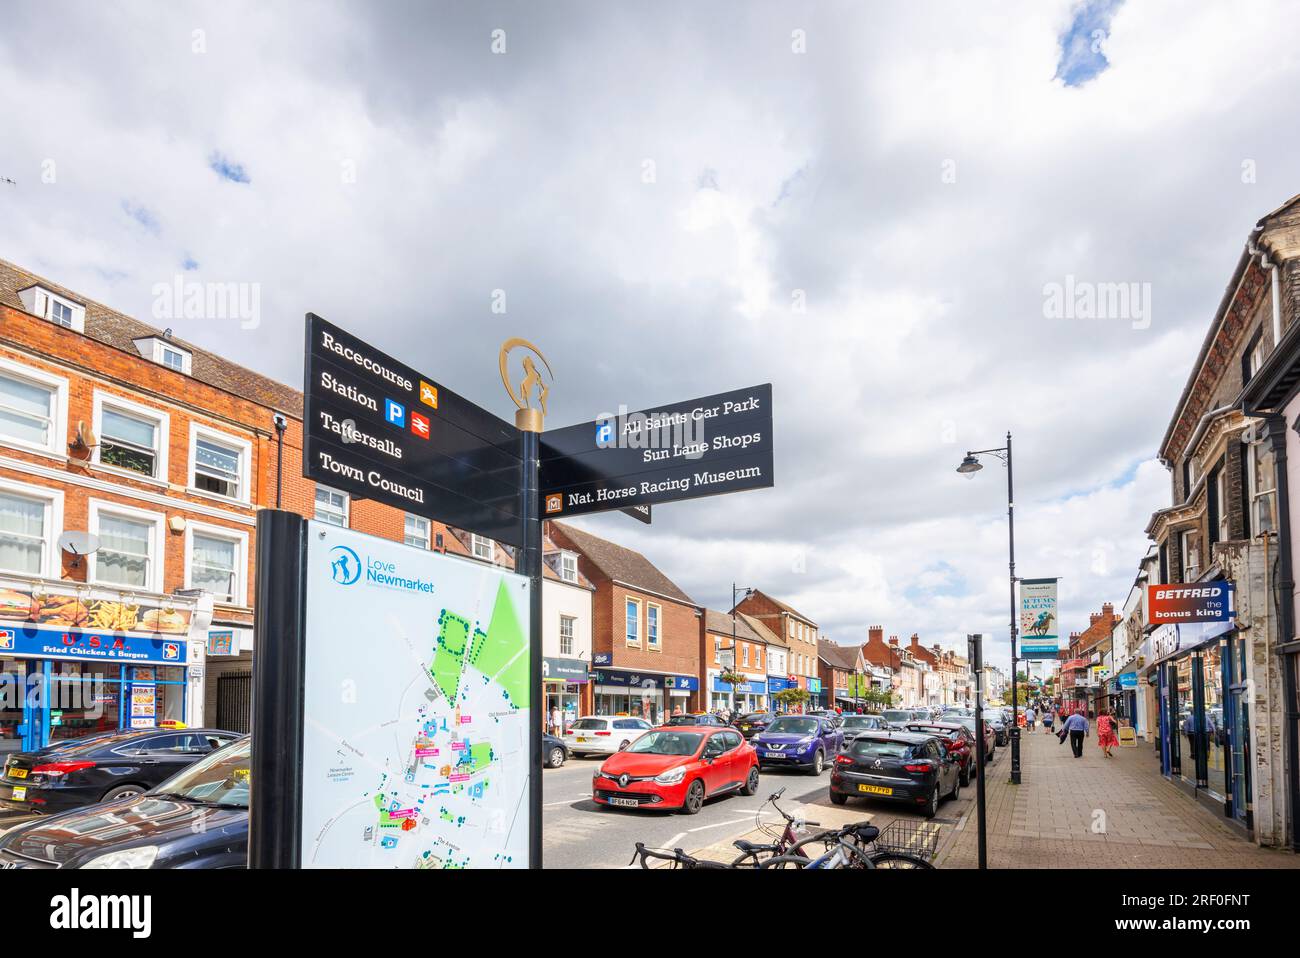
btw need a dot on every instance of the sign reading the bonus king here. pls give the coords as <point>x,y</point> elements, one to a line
<point>379,430</point>
<point>1195,602</point>
<point>702,447</point>
<point>1039,638</point>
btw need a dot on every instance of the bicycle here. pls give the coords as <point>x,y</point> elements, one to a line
<point>678,858</point>
<point>850,850</point>
<point>752,854</point>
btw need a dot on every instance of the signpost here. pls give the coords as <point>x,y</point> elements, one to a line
<point>975,654</point>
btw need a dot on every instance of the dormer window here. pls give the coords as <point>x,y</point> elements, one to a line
<point>164,352</point>
<point>59,310</point>
<point>568,567</point>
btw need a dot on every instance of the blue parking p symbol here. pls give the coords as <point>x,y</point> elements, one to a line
<point>604,434</point>
<point>395,413</point>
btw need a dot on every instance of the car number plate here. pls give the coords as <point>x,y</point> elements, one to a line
<point>581,739</point>
<point>19,794</point>
<point>17,773</point>
<point>626,802</point>
<point>744,728</point>
<point>775,755</point>
<point>875,789</point>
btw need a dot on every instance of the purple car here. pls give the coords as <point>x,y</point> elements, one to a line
<point>808,742</point>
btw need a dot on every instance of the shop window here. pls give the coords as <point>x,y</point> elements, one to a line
<point>652,613</point>
<point>566,634</point>
<point>416,531</point>
<point>331,506</point>
<point>132,438</point>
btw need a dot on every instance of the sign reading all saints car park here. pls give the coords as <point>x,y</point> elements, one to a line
<point>702,447</point>
<point>377,429</point>
<point>1171,604</point>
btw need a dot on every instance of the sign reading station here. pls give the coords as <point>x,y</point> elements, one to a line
<point>1190,602</point>
<point>377,429</point>
<point>703,447</point>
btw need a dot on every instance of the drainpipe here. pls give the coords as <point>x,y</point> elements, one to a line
<point>281,424</point>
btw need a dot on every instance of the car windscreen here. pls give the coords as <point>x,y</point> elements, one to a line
<point>873,748</point>
<point>683,720</point>
<point>861,721</point>
<point>589,725</point>
<point>220,779</point>
<point>666,743</point>
<point>897,716</point>
<point>794,726</point>
<point>994,717</point>
<point>932,730</point>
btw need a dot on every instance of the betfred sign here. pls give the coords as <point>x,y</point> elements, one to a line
<point>1190,602</point>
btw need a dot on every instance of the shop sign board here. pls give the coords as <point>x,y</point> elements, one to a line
<point>444,665</point>
<point>573,671</point>
<point>378,429</point>
<point>701,447</point>
<point>682,683</point>
<point>43,642</point>
<point>1190,602</point>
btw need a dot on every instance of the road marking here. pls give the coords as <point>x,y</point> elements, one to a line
<point>568,801</point>
<point>675,839</point>
<point>731,821</point>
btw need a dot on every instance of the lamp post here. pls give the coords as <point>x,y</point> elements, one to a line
<point>744,594</point>
<point>969,466</point>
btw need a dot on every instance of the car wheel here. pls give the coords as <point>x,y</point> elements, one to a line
<point>751,783</point>
<point>557,758</point>
<point>956,788</point>
<point>932,806</point>
<point>819,762</point>
<point>122,791</point>
<point>964,778</point>
<point>839,798</point>
<point>694,798</point>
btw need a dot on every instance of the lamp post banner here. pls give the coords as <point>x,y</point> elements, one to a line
<point>1039,615</point>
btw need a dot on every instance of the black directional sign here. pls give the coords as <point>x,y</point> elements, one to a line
<point>377,429</point>
<point>702,447</point>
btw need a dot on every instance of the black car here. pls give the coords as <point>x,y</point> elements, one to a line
<point>998,720</point>
<point>853,725</point>
<point>101,768</point>
<point>830,715</point>
<point>897,767</point>
<point>696,718</point>
<point>554,752</point>
<point>196,819</point>
<point>752,723</point>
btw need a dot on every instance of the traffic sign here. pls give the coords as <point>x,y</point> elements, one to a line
<point>702,447</point>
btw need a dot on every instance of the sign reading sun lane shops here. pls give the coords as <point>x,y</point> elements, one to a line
<point>703,447</point>
<point>377,429</point>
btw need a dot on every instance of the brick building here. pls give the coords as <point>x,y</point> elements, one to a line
<point>163,452</point>
<point>799,633</point>
<point>840,669</point>
<point>746,655</point>
<point>646,632</point>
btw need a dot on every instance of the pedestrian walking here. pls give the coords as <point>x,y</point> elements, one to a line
<point>1030,717</point>
<point>1107,735</point>
<point>555,721</point>
<point>1048,719</point>
<point>1076,726</point>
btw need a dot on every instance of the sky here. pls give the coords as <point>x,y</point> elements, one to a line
<point>872,206</point>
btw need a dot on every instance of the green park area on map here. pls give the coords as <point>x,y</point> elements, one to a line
<point>500,652</point>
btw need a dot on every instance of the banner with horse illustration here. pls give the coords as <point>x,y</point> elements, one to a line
<point>1039,634</point>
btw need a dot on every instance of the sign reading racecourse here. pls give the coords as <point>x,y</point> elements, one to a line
<point>1039,614</point>
<point>377,429</point>
<point>702,447</point>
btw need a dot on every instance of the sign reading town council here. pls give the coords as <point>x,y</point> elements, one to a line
<point>377,429</point>
<point>702,447</point>
<point>1190,602</point>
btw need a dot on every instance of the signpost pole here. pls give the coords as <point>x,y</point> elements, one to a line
<point>975,652</point>
<point>529,563</point>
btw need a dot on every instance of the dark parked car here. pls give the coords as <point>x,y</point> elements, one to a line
<point>897,718</point>
<point>990,737</point>
<point>800,741</point>
<point>102,768</point>
<point>697,718</point>
<point>853,724</point>
<point>755,722</point>
<point>956,739</point>
<point>897,767</point>
<point>554,752</point>
<point>196,819</point>
<point>998,719</point>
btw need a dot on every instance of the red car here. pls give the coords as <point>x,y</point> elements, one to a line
<point>956,738</point>
<point>677,767</point>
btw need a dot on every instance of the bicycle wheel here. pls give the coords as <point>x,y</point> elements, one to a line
<point>898,860</point>
<point>786,861</point>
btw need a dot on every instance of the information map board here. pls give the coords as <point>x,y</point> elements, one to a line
<point>417,708</point>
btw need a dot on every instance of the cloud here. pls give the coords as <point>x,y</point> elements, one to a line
<point>886,217</point>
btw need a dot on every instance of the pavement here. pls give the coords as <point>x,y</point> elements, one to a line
<point>578,833</point>
<point>1098,812</point>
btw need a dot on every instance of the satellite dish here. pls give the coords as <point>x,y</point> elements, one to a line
<point>86,438</point>
<point>78,544</point>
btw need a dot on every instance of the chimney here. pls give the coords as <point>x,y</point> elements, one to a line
<point>893,640</point>
<point>1092,619</point>
<point>876,634</point>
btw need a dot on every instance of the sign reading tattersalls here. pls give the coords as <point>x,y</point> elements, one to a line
<point>1190,602</point>
<point>702,447</point>
<point>380,430</point>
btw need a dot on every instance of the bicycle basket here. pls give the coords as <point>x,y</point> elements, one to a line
<point>910,838</point>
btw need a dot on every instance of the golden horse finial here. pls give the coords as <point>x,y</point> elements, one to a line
<point>532,382</point>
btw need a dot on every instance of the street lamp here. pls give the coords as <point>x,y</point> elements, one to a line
<point>969,466</point>
<point>744,594</point>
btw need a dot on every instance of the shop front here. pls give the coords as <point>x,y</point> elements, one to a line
<point>565,681</point>
<point>816,696</point>
<point>681,690</point>
<point>74,664</point>
<point>748,696</point>
<point>648,695</point>
<point>1199,673</point>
